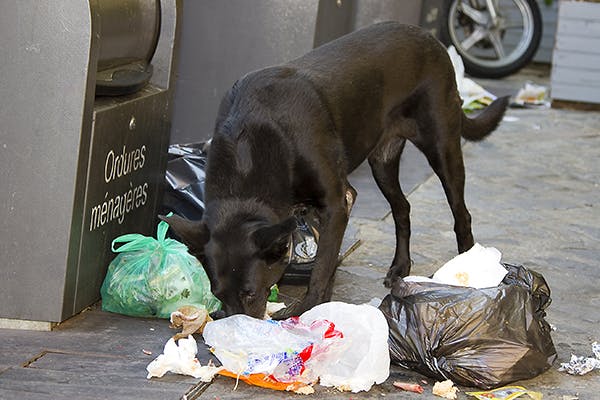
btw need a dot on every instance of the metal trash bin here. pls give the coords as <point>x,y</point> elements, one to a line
<point>86,111</point>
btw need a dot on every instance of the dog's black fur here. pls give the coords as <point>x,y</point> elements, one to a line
<point>291,134</point>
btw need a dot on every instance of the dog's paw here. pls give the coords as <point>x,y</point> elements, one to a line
<point>284,314</point>
<point>288,312</point>
<point>388,282</point>
<point>394,273</point>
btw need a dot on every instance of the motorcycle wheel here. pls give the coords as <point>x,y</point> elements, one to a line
<point>495,38</point>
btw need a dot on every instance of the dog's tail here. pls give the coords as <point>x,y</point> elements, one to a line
<point>479,127</point>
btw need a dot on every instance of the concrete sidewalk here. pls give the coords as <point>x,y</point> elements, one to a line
<point>532,190</point>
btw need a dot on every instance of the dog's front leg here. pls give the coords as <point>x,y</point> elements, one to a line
<point>333,224</point>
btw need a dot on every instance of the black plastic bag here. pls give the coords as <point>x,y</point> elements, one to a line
<point>476,337</point>
<point>184,194</point>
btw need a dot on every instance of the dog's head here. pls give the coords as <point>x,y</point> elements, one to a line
<point>243,255</point>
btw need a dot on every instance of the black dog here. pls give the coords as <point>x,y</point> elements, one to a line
<point>291,134</point>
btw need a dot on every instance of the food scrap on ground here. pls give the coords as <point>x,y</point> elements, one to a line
<point>531,95</point>
<point>191,319</point>
<point>445,389</point>
<point>409,387</point>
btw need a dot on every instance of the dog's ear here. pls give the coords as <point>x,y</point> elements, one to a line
<point>272,241</point>
<point>194,234</point>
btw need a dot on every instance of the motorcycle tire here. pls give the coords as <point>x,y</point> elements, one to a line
<point>493,47</point>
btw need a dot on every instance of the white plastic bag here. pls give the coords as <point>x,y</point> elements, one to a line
<point>247,345</point>
<point>342,345</point>
<point>470,92</point>
<point>362,358</point>
<point>479,268</point>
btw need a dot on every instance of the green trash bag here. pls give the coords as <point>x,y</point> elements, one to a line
<point>154,277</point>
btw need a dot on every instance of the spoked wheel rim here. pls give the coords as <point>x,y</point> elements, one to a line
<point>491,33</point>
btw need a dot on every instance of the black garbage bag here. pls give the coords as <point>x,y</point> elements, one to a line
<point>184,192</point>
<point>184,196</point>
<point>482,338</point>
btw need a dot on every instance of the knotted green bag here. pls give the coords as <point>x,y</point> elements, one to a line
<point>154,277</point>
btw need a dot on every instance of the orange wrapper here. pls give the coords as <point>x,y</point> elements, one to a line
<point>265,381</point>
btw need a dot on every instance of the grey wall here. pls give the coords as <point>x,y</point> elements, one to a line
<point>224,39</point>
<point>221,41</point>
<point>372,11</point>
<point>549,18</point>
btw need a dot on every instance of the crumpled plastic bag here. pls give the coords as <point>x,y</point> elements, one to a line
<point>341,345</point>
<point>362,358</point>
<point>184,180</point>
<point>180,358</point>
<point>484,338</point>
<point>247,345</point>
<point>479,267</point>
<point>580,365</point>
<point>154,277</point>
<point>473,95</point>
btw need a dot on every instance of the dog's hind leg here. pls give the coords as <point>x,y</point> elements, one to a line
<point>445,158</point>
<point>385,164</point>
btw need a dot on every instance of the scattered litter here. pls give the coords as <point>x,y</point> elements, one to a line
<point>409,387</point>
<point>531,95</point>
<point>191,319</point>
<point>307,389</point>
<point>479,267</point>
<point>180,358</point>
<point>569,397</point>
<point>445,389</point>
<point>268,382</point>
<point>147,352</point>
<point>510,118</point>
<point>338,344</point>
<point>272,308</point>
<point>273,294</point>
<point>582,365</point>
<point>506,393</point>
<point>248,346</point>
<point>474,96</point>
